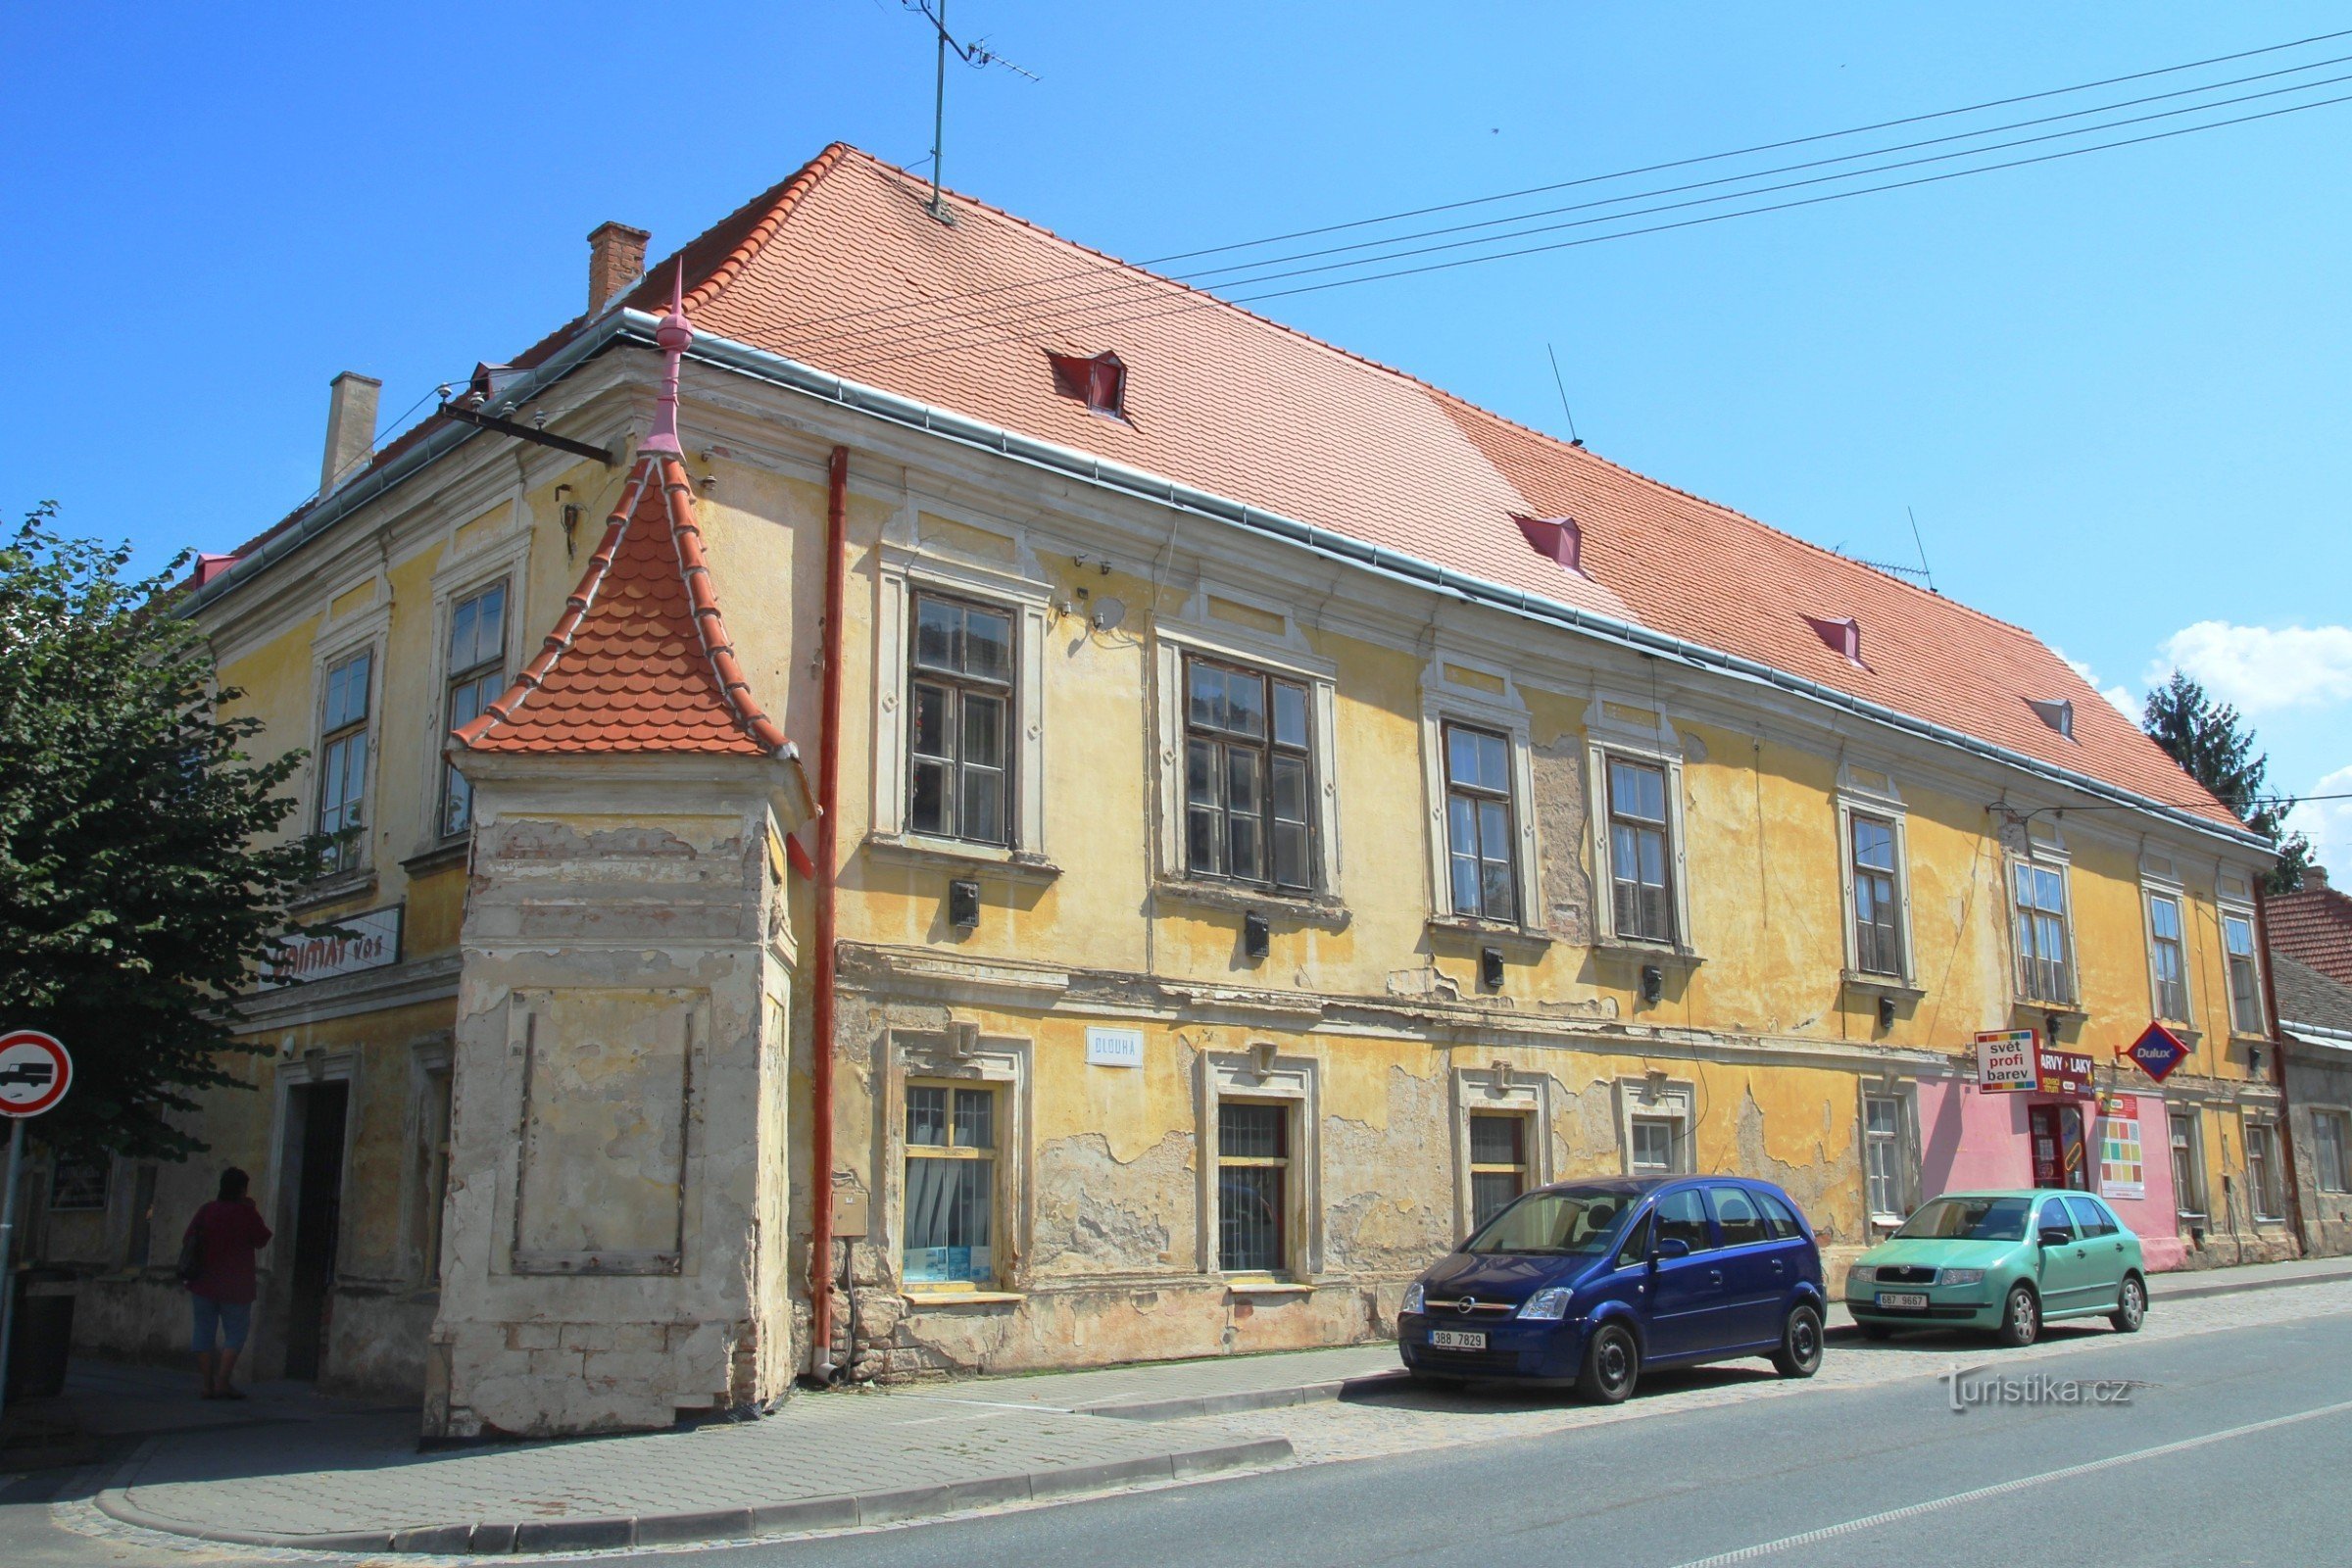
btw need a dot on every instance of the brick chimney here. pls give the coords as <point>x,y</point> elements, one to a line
<point>615,260</point>
<point>349,426</point>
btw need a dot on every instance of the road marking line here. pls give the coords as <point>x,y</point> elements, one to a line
<point>2003,1488</point>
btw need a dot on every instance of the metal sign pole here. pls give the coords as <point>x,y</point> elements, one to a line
<point>7,1253</point>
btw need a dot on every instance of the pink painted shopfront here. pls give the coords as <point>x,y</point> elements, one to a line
<point>2097,1141</point>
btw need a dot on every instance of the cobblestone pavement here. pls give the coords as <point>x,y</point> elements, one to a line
<point>1405,1419</point>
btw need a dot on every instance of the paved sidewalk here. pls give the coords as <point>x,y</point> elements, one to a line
<point>291,1469</point>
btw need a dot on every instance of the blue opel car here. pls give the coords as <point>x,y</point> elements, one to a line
<point>1593,1283</point>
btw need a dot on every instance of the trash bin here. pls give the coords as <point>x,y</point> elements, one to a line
<point>42,1334</point>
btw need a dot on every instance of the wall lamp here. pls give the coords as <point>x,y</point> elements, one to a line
<point>963,905</point>
<point>1653,982</point>
<point>1258,937</point>
<point>1489,968</point>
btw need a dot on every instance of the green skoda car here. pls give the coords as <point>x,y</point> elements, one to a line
<point>2007,1263</point>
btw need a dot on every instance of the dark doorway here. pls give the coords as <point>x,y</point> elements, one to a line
<point>2060,1157</point>
<point>316,1222</point>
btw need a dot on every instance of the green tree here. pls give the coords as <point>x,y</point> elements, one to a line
<point>139,885</point>
<point>2215,744</point>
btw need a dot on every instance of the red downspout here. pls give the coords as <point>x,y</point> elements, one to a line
<point>2287,1117</point>
<point>820,1002</point>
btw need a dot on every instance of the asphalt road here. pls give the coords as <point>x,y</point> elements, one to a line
<point>2235,1448</point>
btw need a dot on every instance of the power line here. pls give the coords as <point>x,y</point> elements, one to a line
<point>1682,163</point>
<point>1209,301</point>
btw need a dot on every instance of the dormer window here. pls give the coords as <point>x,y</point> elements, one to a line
<point>1100,383</point>
<point>1840,637</point>
<point>1558,538</point>
<point>2057,713</point>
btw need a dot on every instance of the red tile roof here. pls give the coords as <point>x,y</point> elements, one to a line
<point>2315,927</point>
<point>640,659</point>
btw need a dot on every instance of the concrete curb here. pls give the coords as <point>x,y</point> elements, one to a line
<point>1189,1405</point>
<point>2226,1288</point>
<point>844,1511</point>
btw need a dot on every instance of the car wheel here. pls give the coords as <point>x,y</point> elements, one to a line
<point>2020,1317</point>
<point>1612,1365</point>
<point>1874,1331</point>
<point>1799,1354</point>
<point>2131,1307</point>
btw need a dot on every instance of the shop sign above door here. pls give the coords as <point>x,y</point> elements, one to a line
<point>348,945</point>
<point>2062,1072</point>
<point>2005,1060</point>
<point>2158,1052</point>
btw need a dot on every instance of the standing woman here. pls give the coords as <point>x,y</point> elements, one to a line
<point>215,1263</point>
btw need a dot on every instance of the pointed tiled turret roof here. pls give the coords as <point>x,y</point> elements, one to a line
<point>640,659</point>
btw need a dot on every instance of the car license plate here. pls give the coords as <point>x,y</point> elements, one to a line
<point>1456,1340</point>
<point>1902,1302</point>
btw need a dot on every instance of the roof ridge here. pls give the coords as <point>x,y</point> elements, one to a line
<point>1430,387</point>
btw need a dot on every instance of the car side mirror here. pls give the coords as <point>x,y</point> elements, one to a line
<point>2056,1236</point>
<point>1669,1247</point>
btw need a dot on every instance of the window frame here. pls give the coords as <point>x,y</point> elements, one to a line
<point>2338,1125</point>
<point>1888,810</point>
<point>1662,826</point>
<point>1262,1076</point>
<point>2188,1155</point>
<point>1458,690</point>
<point>1499,1090</point>
<point>1479,794</point>
<point>1269,749</point>
<point>1521,1168</point>
<point>2042,860</point>
<point>990,1155</point>
<point>492,668</point>
<point>2247,996</point>
<point>2152,895</point>
<point>960,687</point>
<point>2266,1197</point>
<point>1651,747</point>
<point>1279,1162</point>
<point>1647,1101</point>
<point>1901,1144</point>
<point>358,733</point>
<point>958,1055</point>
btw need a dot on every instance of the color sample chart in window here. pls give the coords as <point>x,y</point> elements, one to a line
<point>2123,1172</point>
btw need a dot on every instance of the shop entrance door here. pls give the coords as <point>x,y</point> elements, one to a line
<point>318,1123</point>
<point>2060,1158</point>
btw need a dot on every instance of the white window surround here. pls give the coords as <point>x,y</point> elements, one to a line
<point>1446,699</point>
<point>1873,794</point>
<point>1906,1146</point>
<point>957,1053</point>
<point>1499,1090</point>
<point>2046,849</point>
<point>2229,910</point>
<point>1263,1074</point>
<point>2157,883</point>
<point>1286,654</point>
<point>1610,733</point>
<point>1028,599</point>
<point>2189,1202</point>
<point>1657,1095</point>
<point>2266,1183</point>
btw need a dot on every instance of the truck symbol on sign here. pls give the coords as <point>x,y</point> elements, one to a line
<point>35,1073</point>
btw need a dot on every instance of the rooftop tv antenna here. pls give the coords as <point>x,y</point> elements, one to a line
<point>975,54</point>
<point>1574,439</point>
<point>1921,545</point>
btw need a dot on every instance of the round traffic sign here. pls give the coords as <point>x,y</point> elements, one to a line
<point>34,1073</point>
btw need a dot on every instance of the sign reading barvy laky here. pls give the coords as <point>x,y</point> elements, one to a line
<point>345,945</point>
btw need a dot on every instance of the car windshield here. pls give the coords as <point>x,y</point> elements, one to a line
<point>1969,1219</point>
<point>1577,1222</point>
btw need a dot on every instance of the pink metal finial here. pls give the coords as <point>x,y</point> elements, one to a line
<point>673,336</point>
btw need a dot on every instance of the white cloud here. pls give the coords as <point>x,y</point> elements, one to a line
<point>2120,698</point>
<point>2329,823</point>
<point>2259,669</point>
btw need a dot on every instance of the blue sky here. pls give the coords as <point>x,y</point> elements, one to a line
<point>2110,387</point>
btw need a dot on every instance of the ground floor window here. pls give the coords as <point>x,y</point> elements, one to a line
<point>1656,1146</point>
<point>950,1185</point>
<point>1499,1163</point>
<point>2328,1139</point>
<point>78,1184</point>
<point>1254,1168</point>
<point>1883,1149</point>
<point>2188,1171</point>
<point>2261,1170</point>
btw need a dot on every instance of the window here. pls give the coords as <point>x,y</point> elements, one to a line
<point>1248,788</point>
<point>1778,1218</point>
<point>2054,1217</point>
<point>1655,1139</point>
<point>2168,957</point>
<point>2044,969</point>
<point>1878,908</point>
<point>2261,1170</point>
<point>1100,383</point>
<point>2246,979</point>
<point>1254,1164</point>
<point>2331,1132</point>
<point>2091,1219</point>
<point>1883,1150</point>
<point>432,1157</point>
<point>1479,852</point>
<point>1682,1219</point>
<point>78,1184</point>
<point>959,714</point>
<point>950,1185</point>
<point>1736,1216</point>
<point>476,672</point>
<point>1637,1244</point>
<point>1497,1164</point>
<point>343,758</point>
<point>1642,896</point>
<point>2188,1171</point>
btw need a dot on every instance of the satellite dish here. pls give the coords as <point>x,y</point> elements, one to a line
<point>1108,612</point>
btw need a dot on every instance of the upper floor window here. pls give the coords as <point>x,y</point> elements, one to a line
<point>1878,900</point>
<point>1640,884</point>
<point>343,757</point>
<point>2168,957</point>
<point>959,708</point>
<point>476,672</point>
<point>2245,978</point>
<point>1481,845</point>
<point>1248,776</point>
<point>2045,962</point>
